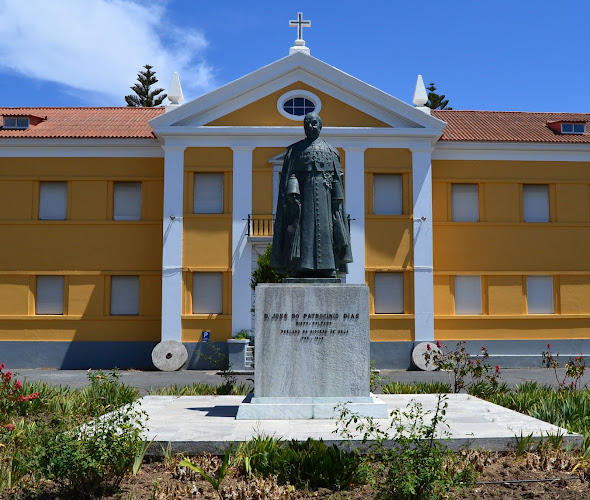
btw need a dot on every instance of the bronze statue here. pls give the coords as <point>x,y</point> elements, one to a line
<point>311,234</point>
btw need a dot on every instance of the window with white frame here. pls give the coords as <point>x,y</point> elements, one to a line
<point>389,293</point>
<point>127,201</point>
<point>536,202</point>
<point>467,295</point>
<point>53,200</point>
<point>207,293</point>
<point>573,128</point>
<point>539,294</point>
<point>208,194</point>
<point>124,295</point>
<point>16,122</point>
<point>387,194</point>
<point>465,202</point>
<point>49,298</point>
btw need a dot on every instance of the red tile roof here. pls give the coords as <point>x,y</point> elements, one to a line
<point>509,126</point>
<point>123,122</point>
<point>107,123</point>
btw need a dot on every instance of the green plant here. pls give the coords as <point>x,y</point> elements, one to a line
<point>106,392</point>
<point>574,370</point>
<point>464,372</point>
<point>244,335</point>
<point>523,444</point>
<point>169,457</point>
<point>416,388</point>
<point>139,456</point>
<point>95,457</point>
<point>418,466</point>
<point>310,464</point>
<point>214,481</point>
<point>265,273</point>
<point>13,400</point>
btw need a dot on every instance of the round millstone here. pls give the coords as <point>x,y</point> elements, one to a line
<point>418,356</point>
<point>169,356</point>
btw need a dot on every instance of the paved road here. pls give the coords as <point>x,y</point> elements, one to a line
<point>145,380</point>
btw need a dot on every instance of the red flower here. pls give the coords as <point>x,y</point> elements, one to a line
<point>438,344</point>
<point>549,346</point>
<point>483,348</point>
<point>497,369</point>
<point>9,427</point>
<point>8,376</point>
<point>428,347</point>
<point>2,366</point>
<point>18,384</point>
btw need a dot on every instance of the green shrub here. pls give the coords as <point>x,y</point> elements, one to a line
<point>106,392</point>
<point>311,464</point>
<point>94,458</point>
<point>200,389</point>
<point>418,466</point>
<point>416,388</point>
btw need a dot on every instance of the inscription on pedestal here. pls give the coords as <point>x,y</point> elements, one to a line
<point>312,340</point>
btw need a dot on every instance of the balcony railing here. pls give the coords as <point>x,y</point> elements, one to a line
<point>260,226</point>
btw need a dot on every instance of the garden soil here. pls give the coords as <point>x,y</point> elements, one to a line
<point>156,480</point>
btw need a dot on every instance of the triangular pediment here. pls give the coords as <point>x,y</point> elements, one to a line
<point>252,100</point>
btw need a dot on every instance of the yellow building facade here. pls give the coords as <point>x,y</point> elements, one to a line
<point>125,227</point>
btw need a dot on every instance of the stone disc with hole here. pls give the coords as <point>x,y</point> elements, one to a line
<point>169,355</point>
<point>418,356</point>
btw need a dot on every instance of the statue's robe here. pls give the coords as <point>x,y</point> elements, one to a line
<point>311,230</point>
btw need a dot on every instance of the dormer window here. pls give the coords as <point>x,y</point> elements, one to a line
<point>573,128</point>
<point>16,122</point>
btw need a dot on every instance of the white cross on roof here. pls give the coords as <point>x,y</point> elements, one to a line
<point>299,23</point>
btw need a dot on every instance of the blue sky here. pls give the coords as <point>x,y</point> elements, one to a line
<point>519,55</point>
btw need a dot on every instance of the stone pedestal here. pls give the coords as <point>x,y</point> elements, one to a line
<point>312,352</point>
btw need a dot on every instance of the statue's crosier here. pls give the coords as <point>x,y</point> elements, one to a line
<point>311,234</point>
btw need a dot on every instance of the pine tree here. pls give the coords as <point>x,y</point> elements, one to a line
<point>436,101</point>
<point>145,97</point>
<point>265,272</point>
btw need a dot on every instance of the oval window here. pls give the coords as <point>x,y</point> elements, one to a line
<point>298,106</point>
<point>297,103</point>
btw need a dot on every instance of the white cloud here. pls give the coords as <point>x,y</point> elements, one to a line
<point>98,46</point>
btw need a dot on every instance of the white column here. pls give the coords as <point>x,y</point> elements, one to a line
<point>241,250</point>
<point>354,181</point>
<point>423,281</point>
<point>172,243</point>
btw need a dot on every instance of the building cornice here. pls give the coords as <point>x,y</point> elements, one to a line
<point>511,151</point>
<point>89,148</point>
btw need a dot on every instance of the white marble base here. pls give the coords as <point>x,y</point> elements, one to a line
<point>306,408</point>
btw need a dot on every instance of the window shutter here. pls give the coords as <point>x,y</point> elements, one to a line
<point>50,295</point>
<point>467,295</point>
<point>207,293</point>
<point>539,294</point>
<point>127,201</point>
<point>125,295</point>
<point>465,202</point>
<point>387,194</point>
<point>536,202</point>
<point>389,293</point>
<point>53,200</point>
<point>208,197</point>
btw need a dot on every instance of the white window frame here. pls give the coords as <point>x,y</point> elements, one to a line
<point>125,295</point>
<point>20,122</point>
<point>205,302</point>
<point>126,195</point>
<point>461,202</point>
<point>49,295</point>
<point>305,94</point>
<point>389,293</point>
<point>539,295</point>
<point>468,295</point>
<point>53,202</point>
<point>218,209</point>
<point>574,126</point>
<point>380,207</point>
<point>531,201</point>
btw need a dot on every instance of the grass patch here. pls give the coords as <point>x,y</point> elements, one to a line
<point>198,389</point>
